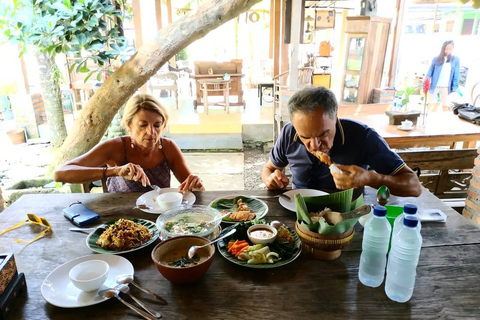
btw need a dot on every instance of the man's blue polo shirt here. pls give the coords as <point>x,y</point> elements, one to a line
<point>354,144</point>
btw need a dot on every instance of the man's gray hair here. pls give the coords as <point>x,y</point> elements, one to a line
<point>310,98</point>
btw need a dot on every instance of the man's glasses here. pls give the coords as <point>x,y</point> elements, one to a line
<point>33,219</point>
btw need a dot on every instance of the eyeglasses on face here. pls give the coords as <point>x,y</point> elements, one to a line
<point>33,219</point>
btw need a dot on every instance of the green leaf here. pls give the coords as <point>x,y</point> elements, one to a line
<point>410,90</point>
<point>67,4</point>
<point>399,93</point>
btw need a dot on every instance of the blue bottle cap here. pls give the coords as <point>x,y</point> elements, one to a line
<point>410,221</point>
<point>380,211</point>
<point>410,208</point>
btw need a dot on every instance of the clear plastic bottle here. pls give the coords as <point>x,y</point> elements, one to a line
<point>376,236</point>
<point>403,261</point>
<point>408,210</point>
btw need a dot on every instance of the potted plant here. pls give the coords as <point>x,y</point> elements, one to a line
<point>181,58</point>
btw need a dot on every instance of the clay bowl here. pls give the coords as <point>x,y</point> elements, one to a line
<point>323,246</point>
<point>176,248</point>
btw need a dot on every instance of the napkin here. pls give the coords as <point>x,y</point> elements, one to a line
<point>339,202</point>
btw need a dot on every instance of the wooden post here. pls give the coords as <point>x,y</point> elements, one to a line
<point>295,43</point>
<point>276,38</point>
<point>137,23</point>
<point>392,72</point>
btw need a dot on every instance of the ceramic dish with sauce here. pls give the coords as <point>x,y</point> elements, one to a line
<point>262,234</point>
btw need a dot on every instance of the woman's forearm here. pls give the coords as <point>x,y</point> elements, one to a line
<point>78,174</point>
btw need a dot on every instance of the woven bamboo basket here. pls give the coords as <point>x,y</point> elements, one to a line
<point>323,246</point>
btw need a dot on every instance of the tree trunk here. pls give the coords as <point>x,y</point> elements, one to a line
<point>99,111</point>
<point>52,98</point>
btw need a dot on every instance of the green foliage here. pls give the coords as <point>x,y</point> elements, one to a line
<point>407,92</point>
<point>181,55</point>
<point>475,3</point>
<point>67,26</point>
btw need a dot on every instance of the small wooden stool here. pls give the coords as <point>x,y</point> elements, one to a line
<point>215,85</point>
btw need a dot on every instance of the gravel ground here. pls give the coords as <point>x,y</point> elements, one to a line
<point>254,160</point>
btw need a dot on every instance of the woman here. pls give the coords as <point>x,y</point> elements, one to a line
<point>133,163</point>
<point>444,73</point>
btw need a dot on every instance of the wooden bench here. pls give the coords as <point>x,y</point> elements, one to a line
<point>446,173</point>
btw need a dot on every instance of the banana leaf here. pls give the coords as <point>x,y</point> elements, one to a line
<point>339,202</point>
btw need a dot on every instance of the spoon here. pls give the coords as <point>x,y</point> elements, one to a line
<point>112,292</point>
<point>156,188</point>
<point>193,249</point>
<point>383,195</point>
<point>126,289</point>
<point>126,278</point>
<point>84,230</point>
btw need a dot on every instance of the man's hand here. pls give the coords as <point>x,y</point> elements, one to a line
<point>276,180</point>
<point>351,177</point>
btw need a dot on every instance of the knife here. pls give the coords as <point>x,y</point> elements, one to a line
<point>283,195</point>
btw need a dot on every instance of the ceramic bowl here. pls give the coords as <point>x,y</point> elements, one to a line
<point>176,248</point>
<point>262,234</point>
<point>194,215</point>
<point>89,275</point>
<point>169,200</point>
<point>323,246</point>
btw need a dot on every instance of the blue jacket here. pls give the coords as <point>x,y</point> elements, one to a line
<point>434,72</point>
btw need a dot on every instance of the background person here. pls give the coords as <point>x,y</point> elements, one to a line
<point>132,163</point>
<point>362,155</point>
<point>444,73</point>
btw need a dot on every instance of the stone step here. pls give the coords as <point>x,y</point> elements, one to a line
<point>208,141</point>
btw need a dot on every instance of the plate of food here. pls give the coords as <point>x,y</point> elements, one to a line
<point>122,236</point>
<point>147,202</point>
<point>290,204</point>
<point>242,208</point>
<point>238,248</point>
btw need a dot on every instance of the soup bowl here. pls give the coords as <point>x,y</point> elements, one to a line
<point>193,220</point>
<point>171,260</point>
<point>89,275</point>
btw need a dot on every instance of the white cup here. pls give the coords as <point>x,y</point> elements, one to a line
<point>89,275</point>
<point>407,124</point>
<point>169,200</point>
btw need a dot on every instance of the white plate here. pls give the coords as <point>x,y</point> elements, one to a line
<point>58,290</point>
<point>262,204</point>
<point>405,129</point>
<point>150,199</point>
<point>290,204</point>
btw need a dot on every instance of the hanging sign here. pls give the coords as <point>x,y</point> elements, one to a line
<point>324,19</point>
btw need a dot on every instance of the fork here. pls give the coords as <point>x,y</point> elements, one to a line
<point>156,188</point>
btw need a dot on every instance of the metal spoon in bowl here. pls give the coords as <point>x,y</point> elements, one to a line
<point>193,249</point>
<point>126,289</point>
<point>112,292</point>
<point>383,195</point>
<point>126,278</point>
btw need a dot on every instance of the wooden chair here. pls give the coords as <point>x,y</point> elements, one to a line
<point>443,171</point>
<point>165,81</point>
<point>281,94</point>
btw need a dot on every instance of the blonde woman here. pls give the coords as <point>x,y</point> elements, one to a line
<point>132,163</point>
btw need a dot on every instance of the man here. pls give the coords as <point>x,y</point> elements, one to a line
<point>357,150</point>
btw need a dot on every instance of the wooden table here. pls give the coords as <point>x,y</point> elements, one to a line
<point>235,89</point>
<point>213,87</point>
<point>447,285</point>
<point>442,129</point>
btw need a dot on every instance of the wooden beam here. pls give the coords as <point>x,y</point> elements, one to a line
<point>158,14</point>
<point>272,30</point>
<point>169,11</point>
<point>284,54</point>
<point>392,72</point>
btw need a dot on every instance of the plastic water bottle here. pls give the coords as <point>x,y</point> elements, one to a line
<point>403,261</point>
<point>376,236</point>
<point>408,210</point>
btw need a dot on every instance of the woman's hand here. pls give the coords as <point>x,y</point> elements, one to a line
<point>192,182</point>
<point>134,172</point>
